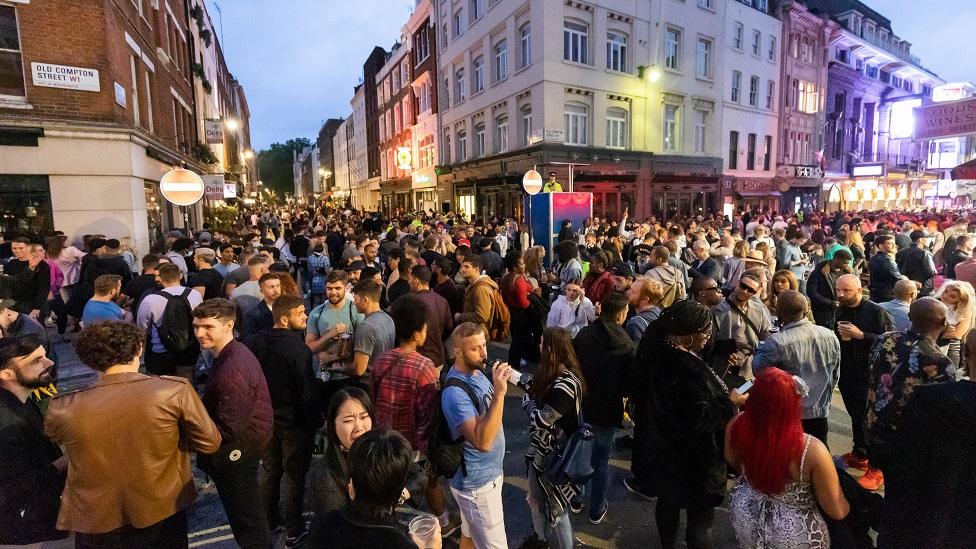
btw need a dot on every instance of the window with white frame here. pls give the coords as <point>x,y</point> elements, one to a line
<point>458,24</point>
<point>479,140</point>
<point>736,86</point>
<point>501,61</point>
<point>737,33</point>
<point>575,120</point>
<point>525,123</point>
<point>575,38</point>
<point>768,153</point>
<point>754,91</point>
<point>705,4</point>
<point>672,48</point>
<point>762,5</point>
<point>397,118</point>
<point>671,127</point>
<point>11,62</point>
<point>756,43</point>
<point>149,104</point>
<point>701,131</point>
<point>703,68</point>
<point>459,85</point>
<point>616,128</point>
<point>421,49</point>
<point>477,75</point>
<point>772,48</point>
<point>134,87</point>
<point>477,9</point>
<point>525,45</point>
<point>616,51</point>
<point>751,152</point>
<point>462,146</point>
<point>733,150</point>
<point>447,146</point>
<point>770,94</point>
<point>501,134</point>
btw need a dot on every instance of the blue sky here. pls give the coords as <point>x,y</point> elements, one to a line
<point>299,59</point>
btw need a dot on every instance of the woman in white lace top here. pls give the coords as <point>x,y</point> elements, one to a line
<point>787,477</point>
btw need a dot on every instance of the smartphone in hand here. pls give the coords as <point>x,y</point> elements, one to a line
<point>744,388</point>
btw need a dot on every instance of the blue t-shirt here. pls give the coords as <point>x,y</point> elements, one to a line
<point>96,311</point>
<point>482,467</point>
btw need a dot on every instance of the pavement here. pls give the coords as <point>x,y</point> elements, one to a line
<point>629,523</point>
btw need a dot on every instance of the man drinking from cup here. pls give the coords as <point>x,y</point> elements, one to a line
<point>859,323</point>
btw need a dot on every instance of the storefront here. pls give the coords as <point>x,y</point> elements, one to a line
<point>684,197</point>
<point>501,197</point>
<point>424,185</point>
<point>800,187</point>
<point>756,195</point>
<point>25,207</point>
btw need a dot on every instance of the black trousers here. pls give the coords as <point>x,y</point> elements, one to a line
<point>237,486</point>
<point>816,427</point>
<point>285,464</point>
<point>524,339</point>
<point>855,395</point>
<point>169,533</point>
<point>165,363</point>
<point>698,534</point>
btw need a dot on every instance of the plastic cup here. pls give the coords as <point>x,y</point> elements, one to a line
<point>425,531</point>
<point>843,334</point>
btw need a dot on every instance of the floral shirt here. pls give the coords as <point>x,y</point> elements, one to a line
<point>900,362</point>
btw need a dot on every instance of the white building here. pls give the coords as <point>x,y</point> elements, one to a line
<point>358,171</point>
<point>750,113</point>
<point>340,159</point>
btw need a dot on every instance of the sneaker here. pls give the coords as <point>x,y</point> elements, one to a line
<point>873,480</point>
<point>452,526</point>
<point>631,485</point>
<point>855,462</point>
<point>295,541</point>
<point>600,514</point>
<point>576,507</point>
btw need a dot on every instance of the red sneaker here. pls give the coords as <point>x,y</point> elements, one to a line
<point>855,462</point>
<point>872,480</point>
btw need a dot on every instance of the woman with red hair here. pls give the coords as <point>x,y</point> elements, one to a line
<point>785,474</point>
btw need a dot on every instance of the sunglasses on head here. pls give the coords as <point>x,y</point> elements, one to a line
<point>746,288</point>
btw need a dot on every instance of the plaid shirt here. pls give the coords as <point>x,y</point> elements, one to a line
<point>315,262</point>
<point>405,393</point>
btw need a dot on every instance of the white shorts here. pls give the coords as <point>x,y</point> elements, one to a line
<point>482,516</point>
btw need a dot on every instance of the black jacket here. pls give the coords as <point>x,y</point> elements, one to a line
<point>709,268</point>
<point>287,365</point>
<point>348,529</point>
<point>917,264</point>
<point>874,321</point>
<point>30,487</point>
<point>29,288</point>
<point>256,319</point>
<point>137,288</point>
<point>884,276</point>
<point>105,264</point>
<point>606,357</point>
<point>820,290</point>
<point>929,479</point>
<point>952,259</point>
<point>680,417</point>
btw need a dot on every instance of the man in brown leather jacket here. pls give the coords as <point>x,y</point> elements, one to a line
<point>128,440</point>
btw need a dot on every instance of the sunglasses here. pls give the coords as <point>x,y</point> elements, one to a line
<point>711,289</point>
<point>746,288</point>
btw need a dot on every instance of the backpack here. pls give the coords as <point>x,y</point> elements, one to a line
<point>501,318</point>
<point>176,331</point>
<point>446,454</point>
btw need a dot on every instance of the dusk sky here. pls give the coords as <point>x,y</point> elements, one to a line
<point>298,60</point>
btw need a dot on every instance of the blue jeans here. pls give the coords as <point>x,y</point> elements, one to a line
<point>560,533</point>
<point>600,461</point>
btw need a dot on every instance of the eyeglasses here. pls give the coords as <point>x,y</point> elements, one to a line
<point>746,288</point>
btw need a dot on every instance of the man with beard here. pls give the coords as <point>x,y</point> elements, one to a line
<point>32,475</point>
<point>859,325</point>
<point>335,317</point>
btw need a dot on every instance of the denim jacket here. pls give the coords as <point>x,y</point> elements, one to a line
<point>812,352</point>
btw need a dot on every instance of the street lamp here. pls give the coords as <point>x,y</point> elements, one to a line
<point>248,154</point>
<point>231,124</point>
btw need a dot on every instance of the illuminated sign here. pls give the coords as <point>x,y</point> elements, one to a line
<point>903,118</point>
<point>945,119</point>
<point>949,92</point>
<point>404,158</point>
<point>868,170</point>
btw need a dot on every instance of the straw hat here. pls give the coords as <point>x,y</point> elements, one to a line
<point>757,257</point>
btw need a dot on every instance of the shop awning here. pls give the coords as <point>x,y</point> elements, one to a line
<point>758,194</point>
<point>966,170</point>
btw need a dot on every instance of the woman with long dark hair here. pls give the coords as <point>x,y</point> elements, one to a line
<point>785,474</point>
<point>681,409</point>
<point>553,399</point>
<point>349,416</point>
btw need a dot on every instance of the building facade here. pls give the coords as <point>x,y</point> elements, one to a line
<point>874,82</point>
<point>421,33</point>
<point>750,119</point>
<point>396,120</point>
<point>803,76</point>
<point>97,103</point>
<point>359,194</point>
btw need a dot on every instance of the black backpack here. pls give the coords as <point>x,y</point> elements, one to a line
<point>176,328</point>
<point>446,454</point>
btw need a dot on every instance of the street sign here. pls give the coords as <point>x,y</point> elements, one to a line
<point>214,130</point>
<point>65,77</point>
<point>213,187</point>
<point>532,182</point>
<point>181,187</point>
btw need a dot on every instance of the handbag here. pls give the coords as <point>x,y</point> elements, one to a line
<point>570,463</point>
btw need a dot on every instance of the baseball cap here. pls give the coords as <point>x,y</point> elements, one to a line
<point>552,174</point>
<point>622,269</point>
<point>355,266</point>
<point>7,304</point>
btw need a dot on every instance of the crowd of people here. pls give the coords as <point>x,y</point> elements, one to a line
<point>713,345</point>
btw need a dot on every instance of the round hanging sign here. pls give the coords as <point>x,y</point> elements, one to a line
<point>181,187</point>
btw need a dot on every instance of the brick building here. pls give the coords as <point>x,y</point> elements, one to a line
<point>97,102</point>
